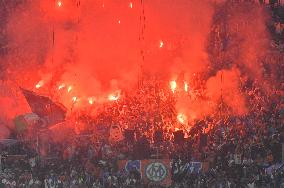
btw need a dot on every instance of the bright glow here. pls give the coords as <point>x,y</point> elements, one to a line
<point>59,3</point>
<point>181,118</point>
<point>161,44</point>
<point>91,100</point>
<point>118,21</point>
<point>173,85</point>
<point>176,129</point>
<point>61,86</point>
<point>114,96</point>
<point>131,5</point>
<point>69,89</point>
<point>185,87</point>
<point>39,84</point>
<point>74,99</point>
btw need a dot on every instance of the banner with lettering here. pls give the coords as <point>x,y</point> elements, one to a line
<point>158,171</point>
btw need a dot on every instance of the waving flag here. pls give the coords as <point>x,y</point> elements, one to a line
<point>45,108</point>
<point>22,122</point>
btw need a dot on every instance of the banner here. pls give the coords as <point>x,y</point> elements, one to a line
<point>45,108</point>
<point>194,167</point>
<point>157,171</point>
<point>271,169</point>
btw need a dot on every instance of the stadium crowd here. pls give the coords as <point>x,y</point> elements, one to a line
<point>233,151</point>
<point>241,152</point>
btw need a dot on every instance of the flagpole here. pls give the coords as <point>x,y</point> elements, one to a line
<point>0,163</point>
<point>37,143</point>
<point>71,110</point>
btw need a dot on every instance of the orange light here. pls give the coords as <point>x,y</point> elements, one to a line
<point>74,99</point>
<point>176,129</point>
<point>173,85</point>
<point>185,87</point>
<point>69,89</point>
<point>61,86</point>
<point>91,100</point>
<point>161,44</point>
<point>59,3</point>
<point>131,5</point>
<point>181,118</point>
<point>39,84</point>
<point>114,96</point>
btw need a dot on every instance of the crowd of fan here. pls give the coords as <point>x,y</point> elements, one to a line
<point>238,154</point>
<point>238,151</point>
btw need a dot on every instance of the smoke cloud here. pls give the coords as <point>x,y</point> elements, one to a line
<point>95,49</point>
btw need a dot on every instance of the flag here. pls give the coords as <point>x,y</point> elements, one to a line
<point>157,171</point>
<point>22,122</point>
<point>45,108</point>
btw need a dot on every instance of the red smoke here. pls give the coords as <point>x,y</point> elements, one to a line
<point>94,47</point>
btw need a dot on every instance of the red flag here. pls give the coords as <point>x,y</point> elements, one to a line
<point>45,108</point>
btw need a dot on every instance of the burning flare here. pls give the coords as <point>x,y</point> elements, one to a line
<point>131,5</point>
<point>185,86</point>
<point>91,100</point>
<point>173,85</point>
<point>182,118</point>
<point>74,99</point>
<point>161,44</point>
<point>59,3</point>
<point>61,86</point>
<point>39,84</point>
<point>114,96</point>
<point>69,89</point>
